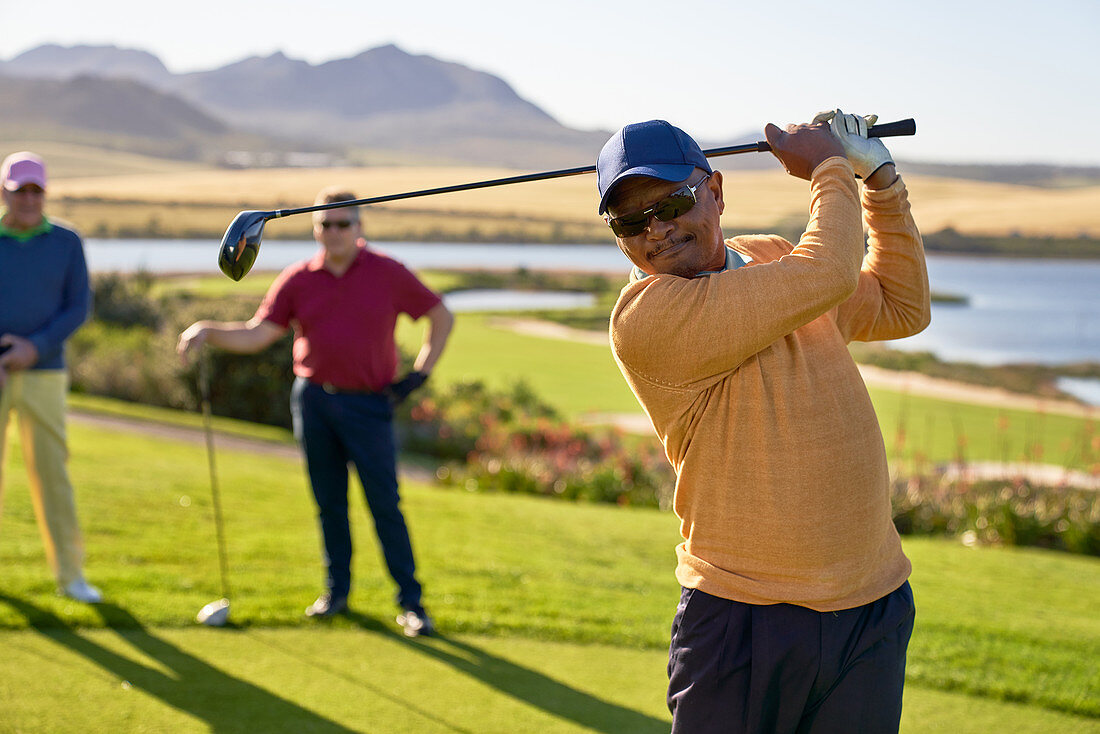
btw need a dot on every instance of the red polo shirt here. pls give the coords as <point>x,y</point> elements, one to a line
<point>343,326</point>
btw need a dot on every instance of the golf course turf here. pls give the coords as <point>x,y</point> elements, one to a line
<point>553,616</point>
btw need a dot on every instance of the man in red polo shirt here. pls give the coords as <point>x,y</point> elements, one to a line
<point>342,305</point>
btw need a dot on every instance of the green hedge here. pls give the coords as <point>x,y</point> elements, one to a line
<point>127,351</point>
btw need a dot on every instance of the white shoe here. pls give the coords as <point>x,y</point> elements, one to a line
<point>81,590</point>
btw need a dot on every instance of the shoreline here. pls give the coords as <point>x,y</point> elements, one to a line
<point>916,383</point>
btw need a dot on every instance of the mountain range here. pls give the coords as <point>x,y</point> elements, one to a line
<point>383,103</point>
<point>381,106</point>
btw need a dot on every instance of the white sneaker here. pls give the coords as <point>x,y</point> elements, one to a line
<point>81,590</point>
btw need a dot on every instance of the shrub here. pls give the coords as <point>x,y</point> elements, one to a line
<point>999,512</point>
<point>509,441</point>
<point>127,351</point>
<point>250,387</point>
<point>125,300</point>
<point>127,363</point>
<point>448,424</point>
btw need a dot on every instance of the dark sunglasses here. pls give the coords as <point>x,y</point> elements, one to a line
<point>676,204</point>
<point>339,224</point>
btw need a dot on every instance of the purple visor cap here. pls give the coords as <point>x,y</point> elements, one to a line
<point>654,148</point>
<point>22,168</point>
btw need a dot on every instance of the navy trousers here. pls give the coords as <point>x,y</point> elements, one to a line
<point>779,669</point>
<point>335,429</point>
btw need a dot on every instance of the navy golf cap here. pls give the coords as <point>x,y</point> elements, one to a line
<point>653,148</point>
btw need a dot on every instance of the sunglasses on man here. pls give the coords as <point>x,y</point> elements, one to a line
<point>338,223</point>
<point>676,204</point>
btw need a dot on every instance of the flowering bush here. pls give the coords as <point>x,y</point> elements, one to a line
<point>448,424</point>
<point>511,442</point>
<point>999,512</point>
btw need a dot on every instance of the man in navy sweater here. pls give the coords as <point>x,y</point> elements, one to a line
<point>44,297</point>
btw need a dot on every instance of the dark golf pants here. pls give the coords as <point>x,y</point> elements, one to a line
<point>334,429</point>
<point>741,668</point>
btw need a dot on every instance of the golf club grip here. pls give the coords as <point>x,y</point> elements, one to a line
<point>908,126</point>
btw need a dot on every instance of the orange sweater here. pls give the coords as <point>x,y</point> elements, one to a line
<point>782,481</point>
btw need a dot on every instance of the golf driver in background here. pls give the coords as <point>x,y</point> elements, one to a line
<point>795,612</point>
<point>342,305</point>
<point>44,297</point>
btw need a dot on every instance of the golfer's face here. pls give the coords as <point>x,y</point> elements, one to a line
<point>685,246</point>
<point>25,206</point>
<point>337,231</point>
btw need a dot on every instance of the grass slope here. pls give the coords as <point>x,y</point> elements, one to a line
<point>555,616</point>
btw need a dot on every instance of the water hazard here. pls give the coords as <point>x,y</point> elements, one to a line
<point>1043,311</point>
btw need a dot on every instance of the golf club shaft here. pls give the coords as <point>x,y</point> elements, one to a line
<point>3,348</point>
<point>882,130</point>
<point>204,391</point>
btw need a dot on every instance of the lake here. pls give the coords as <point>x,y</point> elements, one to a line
<point>1045,311</point>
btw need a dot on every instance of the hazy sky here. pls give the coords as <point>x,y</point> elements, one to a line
<point>1006,81</point>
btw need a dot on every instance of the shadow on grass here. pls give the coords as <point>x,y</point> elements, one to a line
<point>524,684</point>
<point>192,686</point>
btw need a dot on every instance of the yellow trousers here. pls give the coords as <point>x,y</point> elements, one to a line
<point>38,398</point>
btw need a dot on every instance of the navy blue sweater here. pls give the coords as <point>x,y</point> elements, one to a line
<point>44,291</point>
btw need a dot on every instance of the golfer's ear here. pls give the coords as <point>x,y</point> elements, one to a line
<point>714,183</point>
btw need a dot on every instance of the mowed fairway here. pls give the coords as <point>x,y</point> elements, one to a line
<point>554,617</point>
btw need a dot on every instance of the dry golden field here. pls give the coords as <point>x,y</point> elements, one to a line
<point>70,160</point>
<point>137,195</point>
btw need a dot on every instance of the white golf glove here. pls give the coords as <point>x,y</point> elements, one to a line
<point>865,154</point>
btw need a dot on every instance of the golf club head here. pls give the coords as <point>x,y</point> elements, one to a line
<point>241,243</point>
<point>214,614</point>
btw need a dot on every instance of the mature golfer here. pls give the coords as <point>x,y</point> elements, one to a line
<point>795,612</point>
<point>44,298</point>
<point>342,306</point>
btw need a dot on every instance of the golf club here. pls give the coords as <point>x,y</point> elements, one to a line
<point>216,613</point>
<point>241,241</point>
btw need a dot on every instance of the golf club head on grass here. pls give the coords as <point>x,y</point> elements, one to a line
<point>241,243</point>
<point>214,614</point>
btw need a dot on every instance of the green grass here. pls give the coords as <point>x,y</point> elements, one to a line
<point>555,616</point>
<point>576,378</point>
<point>934,428</point>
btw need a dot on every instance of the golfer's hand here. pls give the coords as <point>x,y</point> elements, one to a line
<point>802,148</point>
<point>400,390</point>
<point>191,340</point>
<point>866,155</point>
<point>17,353</point>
